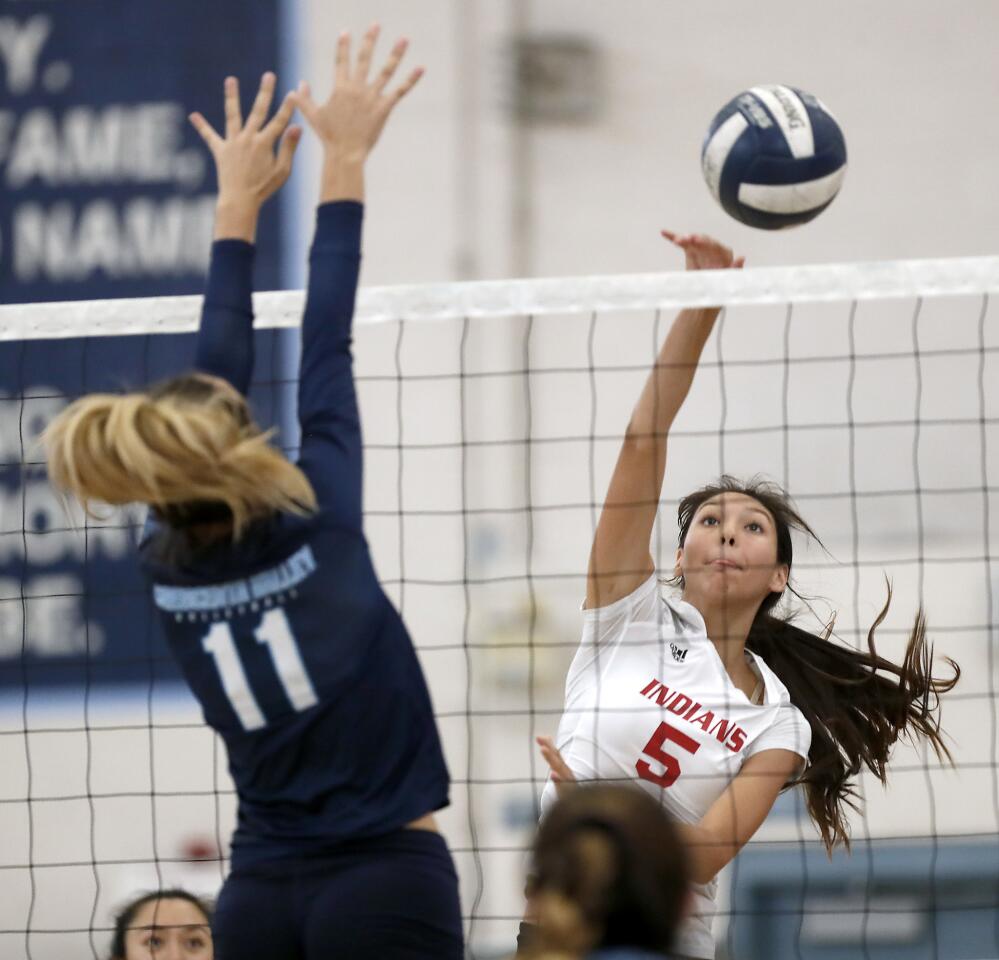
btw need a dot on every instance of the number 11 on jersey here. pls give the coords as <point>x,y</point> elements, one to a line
<point>274,631</point>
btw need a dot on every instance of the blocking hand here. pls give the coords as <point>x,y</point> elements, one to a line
<point>249,170</point>
<point>351,120</point>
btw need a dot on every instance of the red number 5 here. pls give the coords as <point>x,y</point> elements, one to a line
<point>654,749</point>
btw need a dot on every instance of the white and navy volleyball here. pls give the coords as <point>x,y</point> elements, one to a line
<point>774,157</point>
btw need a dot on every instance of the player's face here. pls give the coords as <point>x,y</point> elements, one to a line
<point>730,552</point>
<point>169,929</point>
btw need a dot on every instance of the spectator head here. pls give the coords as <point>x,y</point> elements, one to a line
<point>609,871</point>
<point>163,925</point>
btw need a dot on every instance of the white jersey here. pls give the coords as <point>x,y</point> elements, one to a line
<point>648,701</point>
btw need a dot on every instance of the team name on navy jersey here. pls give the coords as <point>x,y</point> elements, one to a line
<point>223,600</point>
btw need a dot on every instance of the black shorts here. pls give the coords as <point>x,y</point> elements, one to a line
<point>393,897</point>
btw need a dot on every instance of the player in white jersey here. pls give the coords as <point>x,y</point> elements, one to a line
<point>710,701</point>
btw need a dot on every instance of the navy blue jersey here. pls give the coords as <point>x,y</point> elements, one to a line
<point>286,638</point>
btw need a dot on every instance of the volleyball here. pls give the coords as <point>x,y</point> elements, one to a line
<point>774,157</point>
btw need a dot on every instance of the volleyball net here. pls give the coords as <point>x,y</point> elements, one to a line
<point>492,414</point>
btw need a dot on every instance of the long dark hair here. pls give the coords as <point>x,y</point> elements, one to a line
<point>636,895</point>
<point>126,916</point>
<point>857,702</point>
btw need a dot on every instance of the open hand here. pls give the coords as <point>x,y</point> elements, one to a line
<point>248,168</point>
<point>351,120</point>
<point>563,778</point>
<point>704,253</point>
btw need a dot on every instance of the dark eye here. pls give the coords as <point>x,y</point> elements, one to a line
<point>755,527</point>
<point>708,521</point>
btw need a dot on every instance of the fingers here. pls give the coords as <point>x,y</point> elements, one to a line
<point>262,103</point>
<point>233,118</point>
<point>387,71</point>
<point>704,252</point>
<point>280,120</point>
<point>366,53</point>
<point>302,98</point>
<point>342,74</point>
<point>560,769</point>
<point>286,153</point>
<point>205,131</point>
<point>406,86</point>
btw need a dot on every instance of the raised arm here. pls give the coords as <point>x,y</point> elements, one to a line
<point>620,558</point>
<point>249,171</point>
<point>348,125</point>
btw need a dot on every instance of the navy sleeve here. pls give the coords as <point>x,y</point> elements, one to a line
<point>331,454</point>
<point>225,337</point>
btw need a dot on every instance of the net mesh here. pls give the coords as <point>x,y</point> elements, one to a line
<point>492,416</point>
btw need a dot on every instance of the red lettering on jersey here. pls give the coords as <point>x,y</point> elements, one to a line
<point>720,730</point>
<point>663,694</point>
<point>704,720</point>
<point>649,686</point>
<point>724,731</point>
<point>680,704</point>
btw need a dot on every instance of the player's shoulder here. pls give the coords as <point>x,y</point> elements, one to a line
<point>776,690</point>
<point>648,604</point>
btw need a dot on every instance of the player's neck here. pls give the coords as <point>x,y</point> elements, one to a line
<point>727,625</point>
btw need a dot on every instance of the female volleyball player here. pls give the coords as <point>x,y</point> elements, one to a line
<point>264,580</point>
<point>711,701</point>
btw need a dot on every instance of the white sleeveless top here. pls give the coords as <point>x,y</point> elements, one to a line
<point>648,700</point>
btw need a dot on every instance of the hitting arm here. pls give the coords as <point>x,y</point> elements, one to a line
<point>620,559</point>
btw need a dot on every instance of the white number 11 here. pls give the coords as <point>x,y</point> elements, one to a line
<point>276,633</point>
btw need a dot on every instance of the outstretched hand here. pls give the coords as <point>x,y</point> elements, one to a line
<point>563,778</point>
<point>704,253</point>
<point>248,168</point>
<point>351,120</point>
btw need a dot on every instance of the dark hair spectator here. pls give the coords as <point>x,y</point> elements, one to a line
<point>609,874</point>
<point>163,924</point>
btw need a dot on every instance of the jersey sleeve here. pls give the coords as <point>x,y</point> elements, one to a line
<point>331,454</point>
<point>789,731</point>
<point>225,336</point>
<point>604,625</point>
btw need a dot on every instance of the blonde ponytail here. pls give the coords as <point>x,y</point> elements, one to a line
<point>165,450</point>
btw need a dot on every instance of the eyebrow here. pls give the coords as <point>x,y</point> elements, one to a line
<point>173,926</point>
<point>714,502</point>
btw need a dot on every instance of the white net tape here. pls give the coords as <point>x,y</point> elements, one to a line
<point>762,285</point>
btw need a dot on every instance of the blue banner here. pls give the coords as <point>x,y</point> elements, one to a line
<point>106,192</point>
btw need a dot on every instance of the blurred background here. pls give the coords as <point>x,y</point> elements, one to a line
<point>547,138</point>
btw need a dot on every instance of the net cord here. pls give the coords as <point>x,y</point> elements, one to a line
<point>894,279</point>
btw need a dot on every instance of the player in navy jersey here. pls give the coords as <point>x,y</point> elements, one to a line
<point>262,576</point>
<point>709,701</point>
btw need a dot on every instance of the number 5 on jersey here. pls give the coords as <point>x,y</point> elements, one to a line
<point>654,749</point>
<point>276,633</point>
